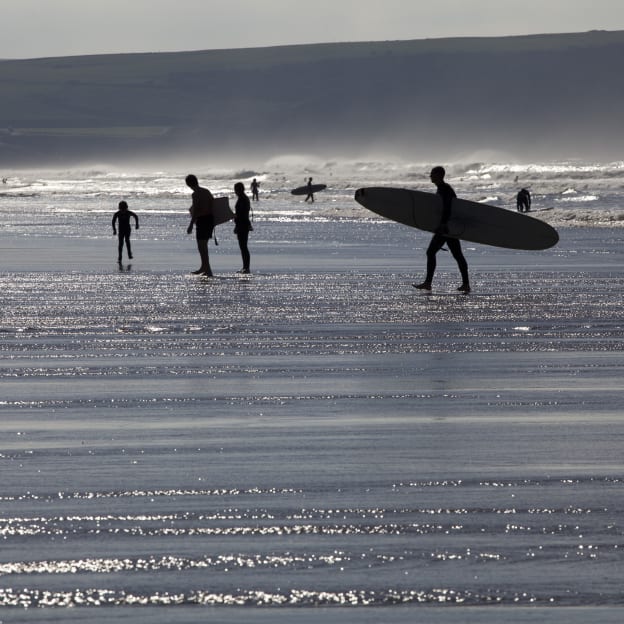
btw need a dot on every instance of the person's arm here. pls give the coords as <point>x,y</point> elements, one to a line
<point>193,211</point>
<point>114,222</point>
<point>136,221</point>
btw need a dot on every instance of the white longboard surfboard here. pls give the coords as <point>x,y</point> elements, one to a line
<point>469,221</point>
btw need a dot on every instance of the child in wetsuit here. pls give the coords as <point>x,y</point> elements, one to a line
<point>123,215</point>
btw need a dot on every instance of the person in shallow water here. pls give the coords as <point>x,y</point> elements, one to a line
<point>523,200</point>
<point>254,189</point>
<point>440,238</point>
<point>203,221</point>
<point>243,224</point>
<point>122,218</point>
<point>310,193</point>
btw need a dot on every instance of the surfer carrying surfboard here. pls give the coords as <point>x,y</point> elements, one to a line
<point>440,238</point>
<point>310,191</point>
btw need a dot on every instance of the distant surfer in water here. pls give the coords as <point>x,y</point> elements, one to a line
<point>122,218</point>
<point>243,224</point>
<point>310,192</point>
<point>523,200</point>
<point>202,219</point>
<point>254,190</point>
<point>440,238</point>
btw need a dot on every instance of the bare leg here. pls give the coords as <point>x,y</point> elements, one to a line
<point>202,246</point>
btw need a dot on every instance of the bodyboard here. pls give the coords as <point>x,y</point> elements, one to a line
<point>221,210</point>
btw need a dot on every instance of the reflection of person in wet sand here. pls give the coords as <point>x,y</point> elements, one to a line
<point>254,189</point>
<point>203,221</point>
<point>310,193</point>
<point>523,200</point>
<point>243,224</point>
<point>440,238</point>
<point>123,216</point>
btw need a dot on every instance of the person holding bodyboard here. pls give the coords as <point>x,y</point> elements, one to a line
<point>202,218</point>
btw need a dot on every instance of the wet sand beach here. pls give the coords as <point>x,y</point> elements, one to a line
<point>317,440</point>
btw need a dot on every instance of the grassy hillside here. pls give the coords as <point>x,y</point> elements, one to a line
<point>515,93</point>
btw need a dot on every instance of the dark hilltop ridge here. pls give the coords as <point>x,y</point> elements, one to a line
<point>558,95</point>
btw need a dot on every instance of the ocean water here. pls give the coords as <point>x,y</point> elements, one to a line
<point>316,441</point>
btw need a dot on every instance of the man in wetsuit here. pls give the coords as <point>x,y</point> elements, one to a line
<point>123,215</point>
<point>202,219</point>
<point>440,238</point>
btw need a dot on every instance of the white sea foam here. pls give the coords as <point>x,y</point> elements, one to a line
<point>580,193</point>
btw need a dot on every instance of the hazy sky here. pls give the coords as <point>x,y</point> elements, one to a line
<point>34,28</point>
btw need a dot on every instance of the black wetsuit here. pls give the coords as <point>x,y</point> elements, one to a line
<point>123,230</point>
<point>447,194</point>
<point>310,192</point>
<point>243,227</point>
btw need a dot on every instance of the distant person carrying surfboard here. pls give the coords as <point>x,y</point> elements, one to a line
<point>310,191</point>
<point>440,238</point>
<point>202,218</point>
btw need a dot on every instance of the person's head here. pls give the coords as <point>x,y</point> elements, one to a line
<point>191,181</point>
<point>239,188</point>
<point>437,175</point>
<point>123,205</point>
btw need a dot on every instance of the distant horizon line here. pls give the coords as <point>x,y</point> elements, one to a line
<point>315,44</point>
